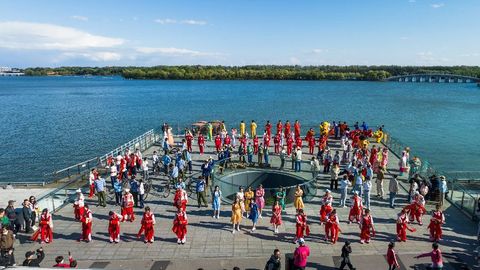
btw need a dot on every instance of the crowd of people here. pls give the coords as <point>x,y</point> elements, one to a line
<point>357,164</point>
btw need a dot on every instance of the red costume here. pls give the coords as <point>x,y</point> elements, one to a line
<point>373,156</point>
<point>255,145</point>
<point>402,223</point>
<point>268,129</point>
<point>287,129</point>
<point>276,218</point>
<point>326,207</point>
<point>366,228</point>
<point>201,143</point>
<point>127,208</point>
<point>148,220</point>
<point>180,226</point>
<point>180,199</point>
<point>322,143</point>
<point>78,207</point>
<point>332,228</point>
<point>435,225</point>
<point>311,144</point>
<point>276,143</point>
<point>297,129</point>
<point>227,140</point>
<point>298,142</point>
<point>302,227</point>
<point>87,226</point>
<point>243,143</point>
<point>279,127</point>
<point>416,208</point>
<point>93,176</point>
<point>289,145</point>
<point>356,209</point>
<point>123,168</point>
<point>266,140</point>
<point>189,139</point>
<point>46,228</point>
<point>114,228</point>
<point>218,143</point>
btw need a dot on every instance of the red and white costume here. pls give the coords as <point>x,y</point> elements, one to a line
<point>180,199</point>
<point>87,225</point>
<point>255,145</point>
<point>298,142</point>
<point>287,129</point>
<point>326,207</point>
<point>78,206</point>
<point>114,227</point>
<point>180,226</point>
<point>402,223</point>
<point>279,127</point>
<point>302,228</point>
<point>227,140</point>
<point>435,226</point>
<point>366,229</point>
<point>91,181</point>
<point>148,220</point>
<point>289,144</point>
<point>127,207</point>
<point>201,143</point>
<point>332,228</point>
<point>276,218</point>
<point>268,129</point>
<point>355,209</point>
<point>266,140</point>
<point>311,144</point>
<point>417,208</point>
<point>276,143</point>
<point>46,228</point>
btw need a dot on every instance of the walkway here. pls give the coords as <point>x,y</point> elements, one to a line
<point>210,243</point>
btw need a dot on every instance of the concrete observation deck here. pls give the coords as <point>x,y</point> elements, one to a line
<point>211,245</point>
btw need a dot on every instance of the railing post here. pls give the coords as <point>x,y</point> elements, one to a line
<point>463,198</point>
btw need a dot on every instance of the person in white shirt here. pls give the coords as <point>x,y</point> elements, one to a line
<point>113,174</point>
<point>141,193</point>
<point>367,186</point>
<point>145,168</point>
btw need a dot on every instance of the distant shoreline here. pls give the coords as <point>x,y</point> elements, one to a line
<point>296,73</point>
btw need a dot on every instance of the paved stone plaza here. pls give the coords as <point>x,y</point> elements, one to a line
<point>211,245</point>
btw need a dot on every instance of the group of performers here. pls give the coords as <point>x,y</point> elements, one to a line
<point>251,203</point>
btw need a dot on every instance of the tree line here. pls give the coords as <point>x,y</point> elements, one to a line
<point>266,72</point>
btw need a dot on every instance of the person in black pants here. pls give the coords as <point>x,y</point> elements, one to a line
<point>346,250</point>
<point>27,216</point>
<point>11,214</point>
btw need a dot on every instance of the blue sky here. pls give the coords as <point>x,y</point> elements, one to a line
<point>316,32</point>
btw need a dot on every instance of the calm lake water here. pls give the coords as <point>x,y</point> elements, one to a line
<point>50,123</point>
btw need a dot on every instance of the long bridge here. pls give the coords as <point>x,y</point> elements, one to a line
<point>434,78</point>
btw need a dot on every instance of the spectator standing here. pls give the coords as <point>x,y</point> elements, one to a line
<point>443,189</point>
<point>344,183</point>
<point>134,190</point>
<point>367,186</point>
<point>274,263</point>
<point>201,196</point>
<point>334,177</point>
<point>300,255</point>
<point>34,208</point>
<point>27,216</point>
<point>283,155</point>
<point>379,181</point>
<point>12,216</point>
<point>393,189</point>
<point>141,193</point>
<point>298,160</point>
<point>100,189</point>
<point>6,247</point>
<point>4,221</point>
<point>314,167</point>
<point>117,188</point>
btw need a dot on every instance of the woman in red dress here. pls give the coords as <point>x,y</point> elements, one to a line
<point>180,226</point>
<point>276,219</point>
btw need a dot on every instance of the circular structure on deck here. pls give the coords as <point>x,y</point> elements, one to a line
<point>271,180</point>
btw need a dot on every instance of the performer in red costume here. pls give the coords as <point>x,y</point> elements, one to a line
<point>322,143</point>
<point>287,129</point>
<point>289,144</point>
<point>127,206</point>
<point>227,141</point>
<point>296,126</point>
<point>180,226</point>
<point>148,220</point>
<point>86,225</point>
<point>373,155</point>
<point>416,208</point>
<point>218,143</point>
<point>189,139</point>
<point>78,205</point>
<point>46,228</point>
<point>114,226</point>
<point>266,140</point>
<point>255,145</point>
<point>298,142</point>
<point>180,199</point>
<point>402,226</point>
<point>268,129</point>
<point>356,208</point>
<point>302,228</point>
<point>279,127</point>
<point>367,230</point>
<point>311,144</point>
<point>332,227</point>
<point>201,143</point>
<point>435,226</point>
<point>326,207</point>
<point>276,143</point>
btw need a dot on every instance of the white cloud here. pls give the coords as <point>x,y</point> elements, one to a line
<point>438,5</point>
<point>94,56</point>
<point>173,21</point>
<point>40,36</point>
<point>404,38</point>
<point>295,61</point>
<point>193,22</point>
<point>79,18</point>
<point>318,51</point>
<point>171,51</point>
<point>165,21</point>
<point>429,57</point>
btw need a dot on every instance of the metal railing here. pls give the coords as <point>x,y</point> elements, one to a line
<point>75,176</point>
<point>459,194</point>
